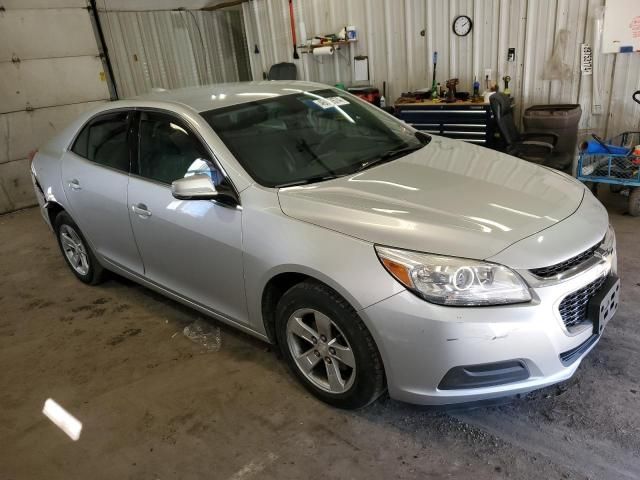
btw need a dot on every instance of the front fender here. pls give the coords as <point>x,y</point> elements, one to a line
<point>274,243</point>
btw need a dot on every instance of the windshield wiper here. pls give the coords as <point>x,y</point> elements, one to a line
<point>390,155</point>
<point>303,146</point>
<point>306,181</point>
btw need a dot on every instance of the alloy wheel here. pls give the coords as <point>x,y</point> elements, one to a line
<point>321,351</point>
<point>74,249</point>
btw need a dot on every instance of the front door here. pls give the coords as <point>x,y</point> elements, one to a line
<point>95,175</point>
<point>191,247</point>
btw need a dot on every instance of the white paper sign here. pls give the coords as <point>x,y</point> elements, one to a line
<point>338,101</point>
<point>330,102</point>
<point>324,103</point>
<point>586,59</point>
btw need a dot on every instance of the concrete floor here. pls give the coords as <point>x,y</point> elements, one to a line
<point>155,405</point>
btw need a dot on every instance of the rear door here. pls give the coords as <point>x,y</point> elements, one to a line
<point>95,175</point>
<point>191,247</point>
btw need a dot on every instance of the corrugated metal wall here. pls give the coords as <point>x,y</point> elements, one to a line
<point>163,48</point>
<point>389,33</point>
<point>49,73</point>
<point>171,49</point>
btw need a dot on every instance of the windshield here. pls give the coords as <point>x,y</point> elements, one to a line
<point>306,137</point>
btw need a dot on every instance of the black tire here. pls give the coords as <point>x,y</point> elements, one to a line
<point>634,202</point>
<point>369,381</point>
<point>95,272</point>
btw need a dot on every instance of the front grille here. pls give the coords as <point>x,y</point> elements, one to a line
<point>573,309</point>
<point>553,270</point>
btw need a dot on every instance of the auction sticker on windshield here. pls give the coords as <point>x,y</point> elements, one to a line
<point>330,102</point>
<point>338,101</point>
<point>324,103</point>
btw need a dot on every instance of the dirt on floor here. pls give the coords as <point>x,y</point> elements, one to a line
<point>157,401</point>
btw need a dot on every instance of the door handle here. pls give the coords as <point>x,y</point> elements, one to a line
<point>141,210</point>
<point>74,184</point>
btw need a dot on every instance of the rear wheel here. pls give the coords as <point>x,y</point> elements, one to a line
<point>634,202</point>
<point>327,346</point>
<point>76,251</point>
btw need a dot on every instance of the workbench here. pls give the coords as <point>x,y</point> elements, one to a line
<point>464,120</point>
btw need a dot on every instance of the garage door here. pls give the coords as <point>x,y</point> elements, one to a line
<point>50,72</point>
<point>174,49</point>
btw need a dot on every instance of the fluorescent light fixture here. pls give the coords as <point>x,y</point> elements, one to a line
<point>62,419</point>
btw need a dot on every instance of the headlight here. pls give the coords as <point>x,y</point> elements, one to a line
<point>609,242</point>
<point>454,281</point>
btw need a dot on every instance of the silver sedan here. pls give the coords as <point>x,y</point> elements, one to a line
<point>375,256</point>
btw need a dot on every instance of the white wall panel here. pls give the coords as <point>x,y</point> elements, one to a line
<point>624,114</point>
<point>59,33</point>
<point>415,45</point>
<point>48,82</point>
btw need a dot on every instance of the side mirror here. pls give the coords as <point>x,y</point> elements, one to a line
<point>195,187</point>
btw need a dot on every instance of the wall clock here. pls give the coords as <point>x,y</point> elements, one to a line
<point>462,25</point>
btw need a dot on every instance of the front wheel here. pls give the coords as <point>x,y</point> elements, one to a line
<point>76,251</point>
<point>327,346</point>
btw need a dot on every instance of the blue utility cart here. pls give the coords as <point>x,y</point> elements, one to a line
<point>615,163</point>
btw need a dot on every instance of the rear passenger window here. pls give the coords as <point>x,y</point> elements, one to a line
<point>104,141</point>
<point>169,150</point>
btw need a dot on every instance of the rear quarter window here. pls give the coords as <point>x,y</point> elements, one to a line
<point>104,141</point>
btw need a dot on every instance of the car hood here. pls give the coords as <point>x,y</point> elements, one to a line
<point>449,197</point>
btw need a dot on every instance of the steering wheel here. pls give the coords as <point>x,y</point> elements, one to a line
<point>601,142</point>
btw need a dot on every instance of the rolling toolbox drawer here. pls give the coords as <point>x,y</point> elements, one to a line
<point>469,122</point>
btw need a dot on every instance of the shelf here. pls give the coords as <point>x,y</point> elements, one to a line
<point>332,44</point>
<point>310,48</point>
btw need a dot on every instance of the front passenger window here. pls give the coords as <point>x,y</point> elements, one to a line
<point>169,151</point>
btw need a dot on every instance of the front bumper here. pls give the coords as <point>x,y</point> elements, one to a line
<point>420,342</point>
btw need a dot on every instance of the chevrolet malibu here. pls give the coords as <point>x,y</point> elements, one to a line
<point>375,256</point>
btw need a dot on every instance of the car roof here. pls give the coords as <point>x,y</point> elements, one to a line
<point>225,94</point>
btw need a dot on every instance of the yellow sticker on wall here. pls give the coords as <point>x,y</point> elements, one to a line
<point>103,77</point>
